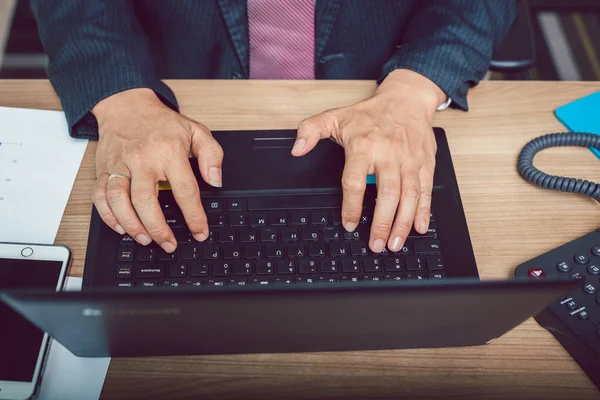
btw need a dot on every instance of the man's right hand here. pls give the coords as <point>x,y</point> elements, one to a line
<point>144,142</point>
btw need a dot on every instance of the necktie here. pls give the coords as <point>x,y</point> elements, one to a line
<point>282,39</point>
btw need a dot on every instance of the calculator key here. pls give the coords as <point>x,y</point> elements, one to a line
<point>593,269</point>
<point>590,288</point>
<point>564,266</point>
<point>581,259</point>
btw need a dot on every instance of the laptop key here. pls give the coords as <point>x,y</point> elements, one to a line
<point>310,233</point>
<point>217,282</point>
<point>253,251</point>
<point>211,252</point>
<point>415,276</point>
<point>284,281</point>
<point>307,266</point>
<point>213,205</point>
<point>182,235</point>
<point>350,265</point>
<point>124,271</point>
<point>371,264</point>
<point>331,233</point>
<point>427,246</point>
<point>262,281</point>
<point>164,256</point>
<point>238,282</point>
<point>394,264</point>
<point>278,218</point>
<point>200,269</point>
<point>174,283</point>
<point>320,217</point>
<point>125,284</point>
<point>438,275</point>
<point>359,249</point>
<point>235,205</point>
<point>126,240</point>
<point>188,252</point>
<point>350,278</point>
<point>372,278</point>
<point>338,249</point>
<point>286,267</point>
<point>295,250</point>
<point>178,270</point>
<point>352,235</point>
<point>248,235</point>
<point>232,251</point>
<point>236,219</point>
<point>393,276</point>
<point>306,279</point>
<point>150,271</point>
<point>317,250</point>
<point>215,219</point>
<point>268,235</point>
<point>147,284</point>
<point>226,235</point>
<point>242,268</point>
<point>330,266</point>
<point>274,250</point>
<point>434,263</point>
<point>289,234</point>
<point>327,279</point>
<point>336,216</point>
<point>264,267</point>
<point>258,219</point>
<point>221,269</point>
<point>415,263</point>
<point>125,254</point>
<point>194,282</point>
<point>299,218</point>
<point>174,218</point>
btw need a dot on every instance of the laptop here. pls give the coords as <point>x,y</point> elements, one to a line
<point>279,274</point>
<point>277,221</point>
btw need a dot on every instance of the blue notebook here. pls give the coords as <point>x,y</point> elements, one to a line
<point>582,115</point>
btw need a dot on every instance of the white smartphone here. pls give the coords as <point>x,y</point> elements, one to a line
<point>23,347</point>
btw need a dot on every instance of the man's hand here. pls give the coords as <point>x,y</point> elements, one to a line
<point>144,142</point>
<point>390,135</point>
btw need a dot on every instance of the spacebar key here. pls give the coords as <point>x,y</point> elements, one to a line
<point>297,202</point>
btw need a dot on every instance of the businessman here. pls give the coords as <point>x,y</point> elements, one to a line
<point>107,59</point>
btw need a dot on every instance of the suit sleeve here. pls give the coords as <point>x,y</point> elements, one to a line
<point>96,48</point>
<point>451,42</point>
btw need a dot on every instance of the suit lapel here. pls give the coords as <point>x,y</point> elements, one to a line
<point>325,12</point>
<point>235,15</point>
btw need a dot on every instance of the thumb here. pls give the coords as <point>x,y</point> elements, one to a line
<point>313,129</point>
<point>209,154</point>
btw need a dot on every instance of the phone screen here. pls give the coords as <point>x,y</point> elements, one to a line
<point>20,341</point>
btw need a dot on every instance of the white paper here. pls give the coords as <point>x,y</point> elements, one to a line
<point>38,165</point>
<point>68,377</point>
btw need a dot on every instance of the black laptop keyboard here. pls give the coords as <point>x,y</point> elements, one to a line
<point>276,240</point>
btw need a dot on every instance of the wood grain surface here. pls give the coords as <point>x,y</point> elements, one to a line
<point>510,221</point>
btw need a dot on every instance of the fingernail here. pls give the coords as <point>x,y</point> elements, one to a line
<point>396,244</point>
<point>214,175</point>
<point>350,226</point>
<point>378,246</point>
<point>299,145</point>
<point>119,229</point>
<point>143,239</point>
<point>168,247</point>
<point>201,237</point>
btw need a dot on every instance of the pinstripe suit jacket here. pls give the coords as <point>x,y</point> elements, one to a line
<point>99,47</point>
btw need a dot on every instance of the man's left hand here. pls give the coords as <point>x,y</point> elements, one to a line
<point>390,135</point>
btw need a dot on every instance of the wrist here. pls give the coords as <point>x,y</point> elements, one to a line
<point>126,101</point>
<point>421,88</point>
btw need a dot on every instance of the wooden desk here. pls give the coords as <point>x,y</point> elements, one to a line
<point>510,221</point>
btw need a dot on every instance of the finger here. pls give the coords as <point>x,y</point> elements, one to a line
<point>144,197</point>
<point>354,183</point>
<point>187,195</point>
<point>388,196</point>
<point>424,205</point>
<point>409,197</point>
<point>313,129</point>
<point>209,154</point>
<point>117,194</point>
<point>101,203</point>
